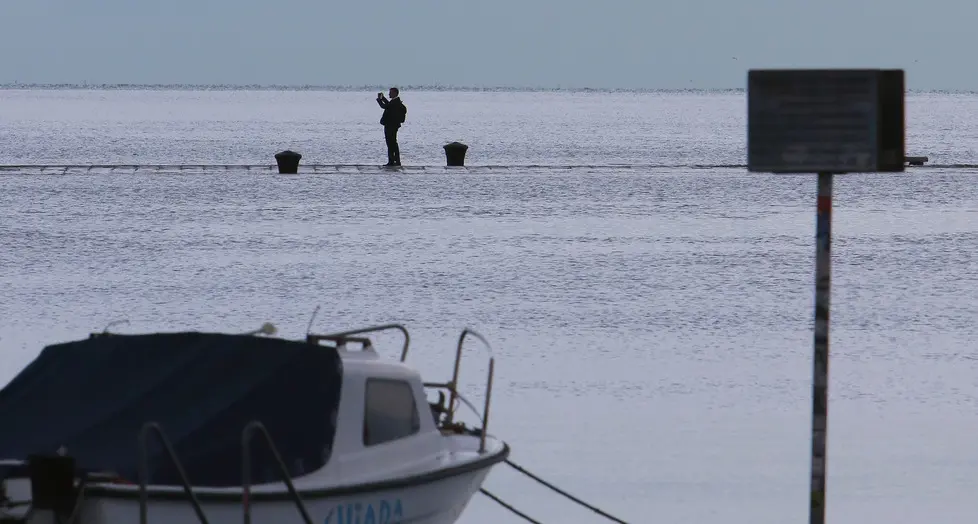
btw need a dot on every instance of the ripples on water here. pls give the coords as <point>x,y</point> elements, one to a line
<point>652,327</point>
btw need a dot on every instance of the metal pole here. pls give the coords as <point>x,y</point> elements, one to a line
<point>485,411</point>
<point>820,379</point>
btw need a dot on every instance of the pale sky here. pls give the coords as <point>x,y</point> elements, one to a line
<point>489,43</point>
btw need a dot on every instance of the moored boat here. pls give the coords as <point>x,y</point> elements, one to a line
<point>216,428</point>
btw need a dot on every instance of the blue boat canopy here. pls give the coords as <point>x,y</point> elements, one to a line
<point>93,396</point>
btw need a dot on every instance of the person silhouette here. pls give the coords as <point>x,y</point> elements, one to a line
<point>394,115</point>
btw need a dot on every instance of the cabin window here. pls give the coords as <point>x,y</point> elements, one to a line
<point>390,413</point>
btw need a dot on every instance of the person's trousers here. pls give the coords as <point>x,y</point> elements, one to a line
<point>393,151</point>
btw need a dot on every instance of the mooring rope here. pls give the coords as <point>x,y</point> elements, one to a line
<point>570,497</point>
<point>503,503</point>
<point>537,478</point>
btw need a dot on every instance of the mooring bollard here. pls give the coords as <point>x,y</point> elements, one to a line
<point>288,162</point>
<point>916,160</point>
<point>455,154</point>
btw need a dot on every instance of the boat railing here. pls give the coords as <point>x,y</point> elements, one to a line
<point>452,387</point>
<point>246,436</point>
<point>343,337</point>
<point>153,428</point>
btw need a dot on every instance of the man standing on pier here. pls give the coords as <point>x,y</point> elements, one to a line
<point>394,114</point>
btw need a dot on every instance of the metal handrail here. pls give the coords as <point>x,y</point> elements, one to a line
<point>343,336</point>
<point>485,411</point>
<point>458,363</point>
<point>144,473</point>
<point>246,434</point>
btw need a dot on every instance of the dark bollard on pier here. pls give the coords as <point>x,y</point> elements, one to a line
<point>455,154</point>
<point>288,162</point>
<point>916,160</point>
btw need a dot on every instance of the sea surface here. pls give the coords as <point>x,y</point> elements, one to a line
<point>651,325</point>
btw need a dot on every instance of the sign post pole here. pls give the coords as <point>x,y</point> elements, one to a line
<point>825,121</point>
<point>820,375</point>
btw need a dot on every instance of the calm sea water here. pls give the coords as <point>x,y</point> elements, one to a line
<point>652,327</point>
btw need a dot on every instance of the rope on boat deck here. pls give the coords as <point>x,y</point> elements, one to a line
<point>559,491</point>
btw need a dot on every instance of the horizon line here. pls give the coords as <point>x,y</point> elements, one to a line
<point>416,88</point>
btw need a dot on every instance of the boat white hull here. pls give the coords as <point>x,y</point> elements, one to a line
<point>437,502</point>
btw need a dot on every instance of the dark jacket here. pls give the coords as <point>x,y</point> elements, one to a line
<point>394,112</point>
